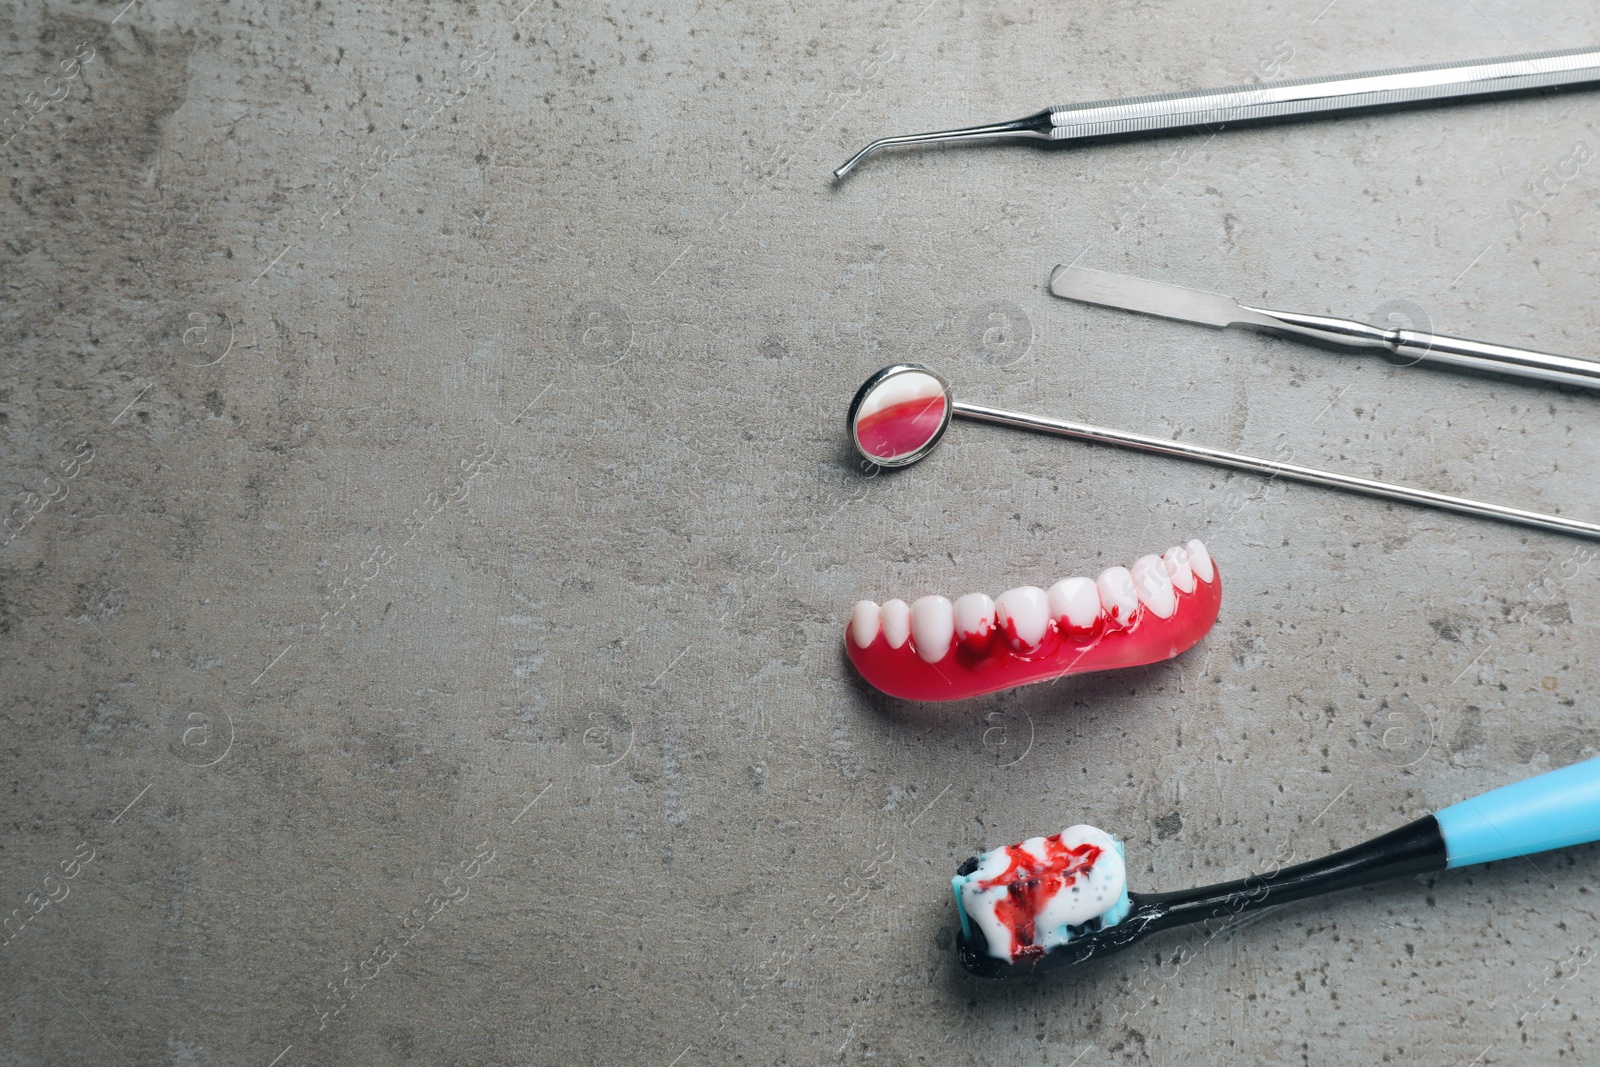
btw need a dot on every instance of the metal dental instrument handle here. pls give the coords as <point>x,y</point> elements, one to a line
<point>1143,443</point>
<point>1439,348</point>
<point>1338,94</point>
<point>1209,309</point>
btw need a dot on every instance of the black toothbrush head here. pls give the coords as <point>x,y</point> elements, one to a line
<point>1059,900</point>
<point>1091,941</point>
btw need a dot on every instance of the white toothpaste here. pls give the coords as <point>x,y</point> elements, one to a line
<point>1030,898</point>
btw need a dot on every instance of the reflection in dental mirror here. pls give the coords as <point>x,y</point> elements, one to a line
<point>899,414</point>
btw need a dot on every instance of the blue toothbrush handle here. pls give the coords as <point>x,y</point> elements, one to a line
<point>1551,810</point>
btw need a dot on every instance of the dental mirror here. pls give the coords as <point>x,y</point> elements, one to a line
<point>900,413</point>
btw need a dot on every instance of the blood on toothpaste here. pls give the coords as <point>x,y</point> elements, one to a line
<point>1031,883</point>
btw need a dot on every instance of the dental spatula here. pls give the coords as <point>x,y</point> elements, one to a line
<point>1209,110</point>
<point>1208,309</point>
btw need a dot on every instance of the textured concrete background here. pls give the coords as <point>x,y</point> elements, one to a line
<point>430,532</point>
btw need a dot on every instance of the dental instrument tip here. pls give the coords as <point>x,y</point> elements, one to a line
<point>1034,126</point>
<point>849,165</point>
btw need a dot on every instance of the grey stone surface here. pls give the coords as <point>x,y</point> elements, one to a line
<point>438,642</point>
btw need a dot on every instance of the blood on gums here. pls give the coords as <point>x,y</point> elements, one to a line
<point>1021,647</point>
<point>979,644</point>
<point>1031,883</point>
<point>1114,621</point>
<point>976,643</point>
<point>1087,635</point>
<point>996,640</point>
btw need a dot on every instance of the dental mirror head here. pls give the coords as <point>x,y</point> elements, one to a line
<point>899,414</point>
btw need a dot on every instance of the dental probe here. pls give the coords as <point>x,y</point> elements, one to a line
<point>1339,94</point>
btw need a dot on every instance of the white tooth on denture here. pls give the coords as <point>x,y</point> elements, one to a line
<point>896,622</point>
<point>865,622</point>
<point>933,624</point>
<point>974,614</point>
<point>1150,578</point>
<point>1200,561</point>
<point>1075,601</point>
<point>1024,615</point>
<point>1117,595</point>
<point>1178,569</point>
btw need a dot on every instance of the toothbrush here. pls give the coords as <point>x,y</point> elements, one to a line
<point>1061,900</point>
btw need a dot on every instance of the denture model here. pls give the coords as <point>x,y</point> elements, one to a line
<point>932,649</point>
<point>1062,900</point>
